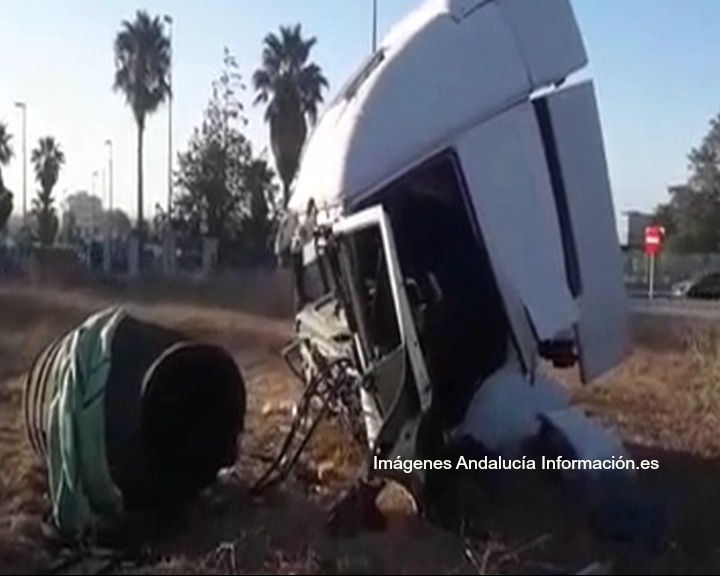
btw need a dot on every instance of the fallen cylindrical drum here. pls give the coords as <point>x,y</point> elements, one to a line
<point>129,415</point>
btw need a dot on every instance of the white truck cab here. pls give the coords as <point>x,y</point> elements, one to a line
<point>470,229</point>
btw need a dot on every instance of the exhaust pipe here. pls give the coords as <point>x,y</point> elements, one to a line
<point>154,432</point>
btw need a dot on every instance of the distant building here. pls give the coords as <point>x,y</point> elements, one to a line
<point>636,222</point>
<point>622,230</point>
<point>87,214</point>
<point>679,190</point>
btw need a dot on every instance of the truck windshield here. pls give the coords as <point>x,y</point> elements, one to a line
<point>375,306</point>
<point>319,280</point>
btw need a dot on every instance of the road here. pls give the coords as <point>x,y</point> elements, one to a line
<point>691,309</point>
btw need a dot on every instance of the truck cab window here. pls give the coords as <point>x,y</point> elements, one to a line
<point>372,281</point>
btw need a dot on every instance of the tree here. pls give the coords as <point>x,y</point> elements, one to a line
<point>68,228</point>
<point>47,159</point>
<point>665,216</point>
<point>692,215</point>
<point>159,221</point>
<point>291,87</point>
<point>211,170</point>
<point>6,151</point>
<point>118,222</point>
<point>261,191</point>
<point>6,208</point>
<point>6,197</point>
<point>142,65</point>
<point>224,191</point>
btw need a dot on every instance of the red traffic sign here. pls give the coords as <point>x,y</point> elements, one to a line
<point>653,239</point>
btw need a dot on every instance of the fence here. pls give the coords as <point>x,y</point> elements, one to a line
<point>263,290</point>
<point>270,291</point>
<point>669,267</point>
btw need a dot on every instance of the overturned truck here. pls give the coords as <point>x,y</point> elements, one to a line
<point>463,233</point>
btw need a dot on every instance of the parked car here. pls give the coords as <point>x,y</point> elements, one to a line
<point>702,287</point>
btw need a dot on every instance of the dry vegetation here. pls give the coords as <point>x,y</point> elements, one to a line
<point>663,399</point>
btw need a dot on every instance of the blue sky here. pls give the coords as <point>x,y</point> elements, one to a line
<point>655,64</point>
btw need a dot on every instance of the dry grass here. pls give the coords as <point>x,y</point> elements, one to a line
<point>667,391</point>
<point>662,398</point>
<point>226,531</point>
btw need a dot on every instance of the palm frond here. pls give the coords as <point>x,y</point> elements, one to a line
<point>6,151</point>
<point>142,64</point>
<point>291,88</point>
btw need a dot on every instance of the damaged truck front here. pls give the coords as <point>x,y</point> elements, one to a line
<point>465,232</point>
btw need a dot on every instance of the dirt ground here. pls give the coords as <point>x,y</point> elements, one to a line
<point>663,399</point>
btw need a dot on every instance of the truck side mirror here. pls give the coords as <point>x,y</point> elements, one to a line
<point>561,353</point>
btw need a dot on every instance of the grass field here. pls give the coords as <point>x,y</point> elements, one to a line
<point>664,399</point>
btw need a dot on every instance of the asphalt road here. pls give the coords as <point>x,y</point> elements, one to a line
<point>691,309</point>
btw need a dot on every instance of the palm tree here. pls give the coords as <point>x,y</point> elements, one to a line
<point>292,89</point>
<point>6,208</point>
<point>6,197</point>
<point>142,65</point>
<point>261,189</point>
<point>47,159</point>
<point>6,151</point>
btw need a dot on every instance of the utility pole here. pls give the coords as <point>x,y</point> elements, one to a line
<point>23,107</point>
<point>109,144</point>
<point>374,26</point>
<point>169,21</point>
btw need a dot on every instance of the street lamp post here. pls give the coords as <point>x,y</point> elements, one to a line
<point>23,107</point>
<point>108,143</point>
<point>374,26</point>
<point>169,21</point>
<point>109,231</point>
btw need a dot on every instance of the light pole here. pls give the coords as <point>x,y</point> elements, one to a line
<point>23,107</point>
<point>374,26</point>
<point>169,21</point>
<point>94,180</point>
<point>109,144</point>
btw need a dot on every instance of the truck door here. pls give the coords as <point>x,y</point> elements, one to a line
<point>539,185</point>
<point>387,339</point>
<point>570,125</point>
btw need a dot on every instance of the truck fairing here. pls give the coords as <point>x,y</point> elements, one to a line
<point>448,66</point>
